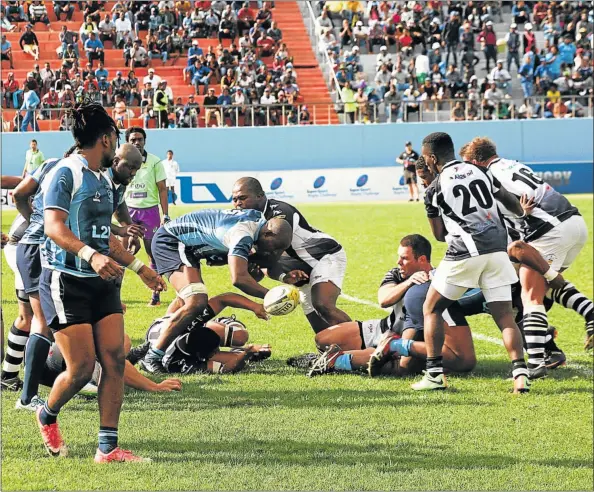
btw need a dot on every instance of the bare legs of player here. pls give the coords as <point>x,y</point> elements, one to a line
<point>346,335</point>
<point>324,297</point>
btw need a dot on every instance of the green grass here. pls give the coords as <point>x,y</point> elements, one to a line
<point>271,428</point>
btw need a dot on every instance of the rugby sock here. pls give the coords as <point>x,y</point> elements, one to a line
<point>434,366</point>
<point>155,354</point>
<point>15,351</point>
<point>36,354</point>
<point>519,368</point>
<point>108,439</point>
<point>48,416</point>
<point>535,331</point>
<point>401,346</point>
<point>571,298</point>
<point>343,362</point>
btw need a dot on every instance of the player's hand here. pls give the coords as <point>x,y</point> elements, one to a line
<point>168,385</point>
<point>418,278</point>
<point>166,219</point>
<point>107,268</point>
<point>152,279</point>
<point>558,282</point>
<point>134,245</point>
<point>134,230</point>
<point>4,241</point>
<point>295,276</point>
<point>527,204</point>
<point>261,313</point>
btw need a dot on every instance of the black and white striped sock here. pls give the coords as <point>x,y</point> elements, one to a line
<point>15,351</point>
<point>535,330</point>
<point>571,298</point>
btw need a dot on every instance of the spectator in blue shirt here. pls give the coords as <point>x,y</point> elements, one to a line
<point>520,13</point>
<point>101,72</point>
<point>194,52</point>
<point>567,50</point>
<point>6,49</point>
<point>155,20</point>
<point>200,76</point>
<point>94,49</point>
<point>553,62</point>
<point>30,103</point>
<point>527,75</point>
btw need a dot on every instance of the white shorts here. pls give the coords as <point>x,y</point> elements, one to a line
<point>170,182</point>
<point>10,253</point>
<point>562,244</point>
<point>493,273</point>
<point>331,268</point>
<point>371,332</point>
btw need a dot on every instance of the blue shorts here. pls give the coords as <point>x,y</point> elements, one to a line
<point>69,300</point>
<point>29,265</point>
<point>169,254</point>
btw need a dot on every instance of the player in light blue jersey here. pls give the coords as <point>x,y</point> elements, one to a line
<point>78,290</point>
<point>217,236</point>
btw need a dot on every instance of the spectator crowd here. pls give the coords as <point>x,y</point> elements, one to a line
<point>251,80</point>
<point>432,51</point>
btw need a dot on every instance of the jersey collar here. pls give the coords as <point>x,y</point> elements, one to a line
<point>451,163</point>
<point>493,162</point>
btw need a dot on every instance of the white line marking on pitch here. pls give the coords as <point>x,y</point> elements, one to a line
<point>585,370</point>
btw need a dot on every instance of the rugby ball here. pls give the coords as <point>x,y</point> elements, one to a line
<point>281,300</point>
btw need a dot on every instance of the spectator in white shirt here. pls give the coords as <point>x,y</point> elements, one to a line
<point>107,30</point>
<point>267,97</point>
<point>382,80</point>
<point>323,22</point>
<point>152,79</point>
<point>383,58</point>
<point>328,42</point>
<point>501,77</point>
<point>493,96</point>
<point>139,57</point>
<point>422,67</point>
<point>360,33</point>
<point>171,171</point>
<point>123,28</point>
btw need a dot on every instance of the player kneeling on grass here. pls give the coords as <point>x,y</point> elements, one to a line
<point>399,336</point>
<point>216,236</point>
<point>197,349</point>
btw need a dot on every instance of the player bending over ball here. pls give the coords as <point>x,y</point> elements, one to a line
<point>399,336</point>
<point>216,236</point>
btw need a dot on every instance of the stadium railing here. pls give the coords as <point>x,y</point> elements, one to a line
<point>319,114</point>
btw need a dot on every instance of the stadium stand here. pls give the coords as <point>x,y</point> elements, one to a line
<point>332,63</point>
<point>358,38</point>
<point>281,60</point>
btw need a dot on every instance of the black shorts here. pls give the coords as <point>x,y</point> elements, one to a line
<point>193,348</point>
<point>69,300</point>
<point>4,57</point>
<point>29,265</point>
<point>169,254</point>
<point>409,176</point>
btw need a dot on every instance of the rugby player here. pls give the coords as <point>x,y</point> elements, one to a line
<point>317,254</point>
<point>462,210</point>
<point>349,346</point>
<point>81,264</point>
<point>216,236</point>
<point>145,193</point>
<point>556,229</point>
<point>196,350</point>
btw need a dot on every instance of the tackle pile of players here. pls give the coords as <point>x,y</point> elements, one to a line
<point>510,237</point>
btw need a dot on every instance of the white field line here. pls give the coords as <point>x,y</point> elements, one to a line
<point>586,371</point>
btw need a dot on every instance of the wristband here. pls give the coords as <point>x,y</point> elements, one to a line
<point>85,253</point>
<point>550,274</point>
<point>136,265</point>
<point>166,219</point>
<point>281,277</point>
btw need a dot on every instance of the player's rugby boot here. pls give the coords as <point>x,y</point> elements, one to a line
<point>52,438</point>
<point>119,455</point>
<point>429,383</point>
<point>325,362</point>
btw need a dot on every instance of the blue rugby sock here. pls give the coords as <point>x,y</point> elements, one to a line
<point>36,353</point>
<point>401,346</point>
<point>108,439</point>
<point>343,362</point>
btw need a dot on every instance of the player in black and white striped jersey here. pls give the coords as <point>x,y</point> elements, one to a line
<point>557,231</point>
<point>462,210</point>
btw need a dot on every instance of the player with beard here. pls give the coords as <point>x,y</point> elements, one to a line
<point>81,264</point>
<point>318,256</point>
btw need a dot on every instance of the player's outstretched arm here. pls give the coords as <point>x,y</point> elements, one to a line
<point>438,228</point>
<point>57,231</point>
<point>22,194</point>
<point>9,182</point>
<point>134,379</point>
<point>509,201</point>
<point>220,302</point>
<point>241,278</point>
<point>521,252</point>
<point>150,278</point>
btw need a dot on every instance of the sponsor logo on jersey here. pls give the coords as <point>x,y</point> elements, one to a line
<point>97,197</point>
<point>276,183</point>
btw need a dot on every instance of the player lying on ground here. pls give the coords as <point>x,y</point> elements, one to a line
<point>55,365</point>
<point>349,346</point>
<point>312,251</point>
<point>217,236</point>
<point>462,211</point>
<point>197,349</point>
<point>556,229</point>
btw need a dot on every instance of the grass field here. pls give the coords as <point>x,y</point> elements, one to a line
<point>271,428</point>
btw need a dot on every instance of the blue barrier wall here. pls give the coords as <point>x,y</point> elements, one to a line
<point>308,147</point>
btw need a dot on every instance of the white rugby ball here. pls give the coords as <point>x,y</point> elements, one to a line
<point>281,300</point>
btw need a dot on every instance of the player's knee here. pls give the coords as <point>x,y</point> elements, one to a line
<point>239,336</point>
<point>322,339</point>
<point>516,249</point>
<point>127,344</point>
<point>113,360</point>
<point>323,308</point>
<point>82,373</point>
<point>466,363</point>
